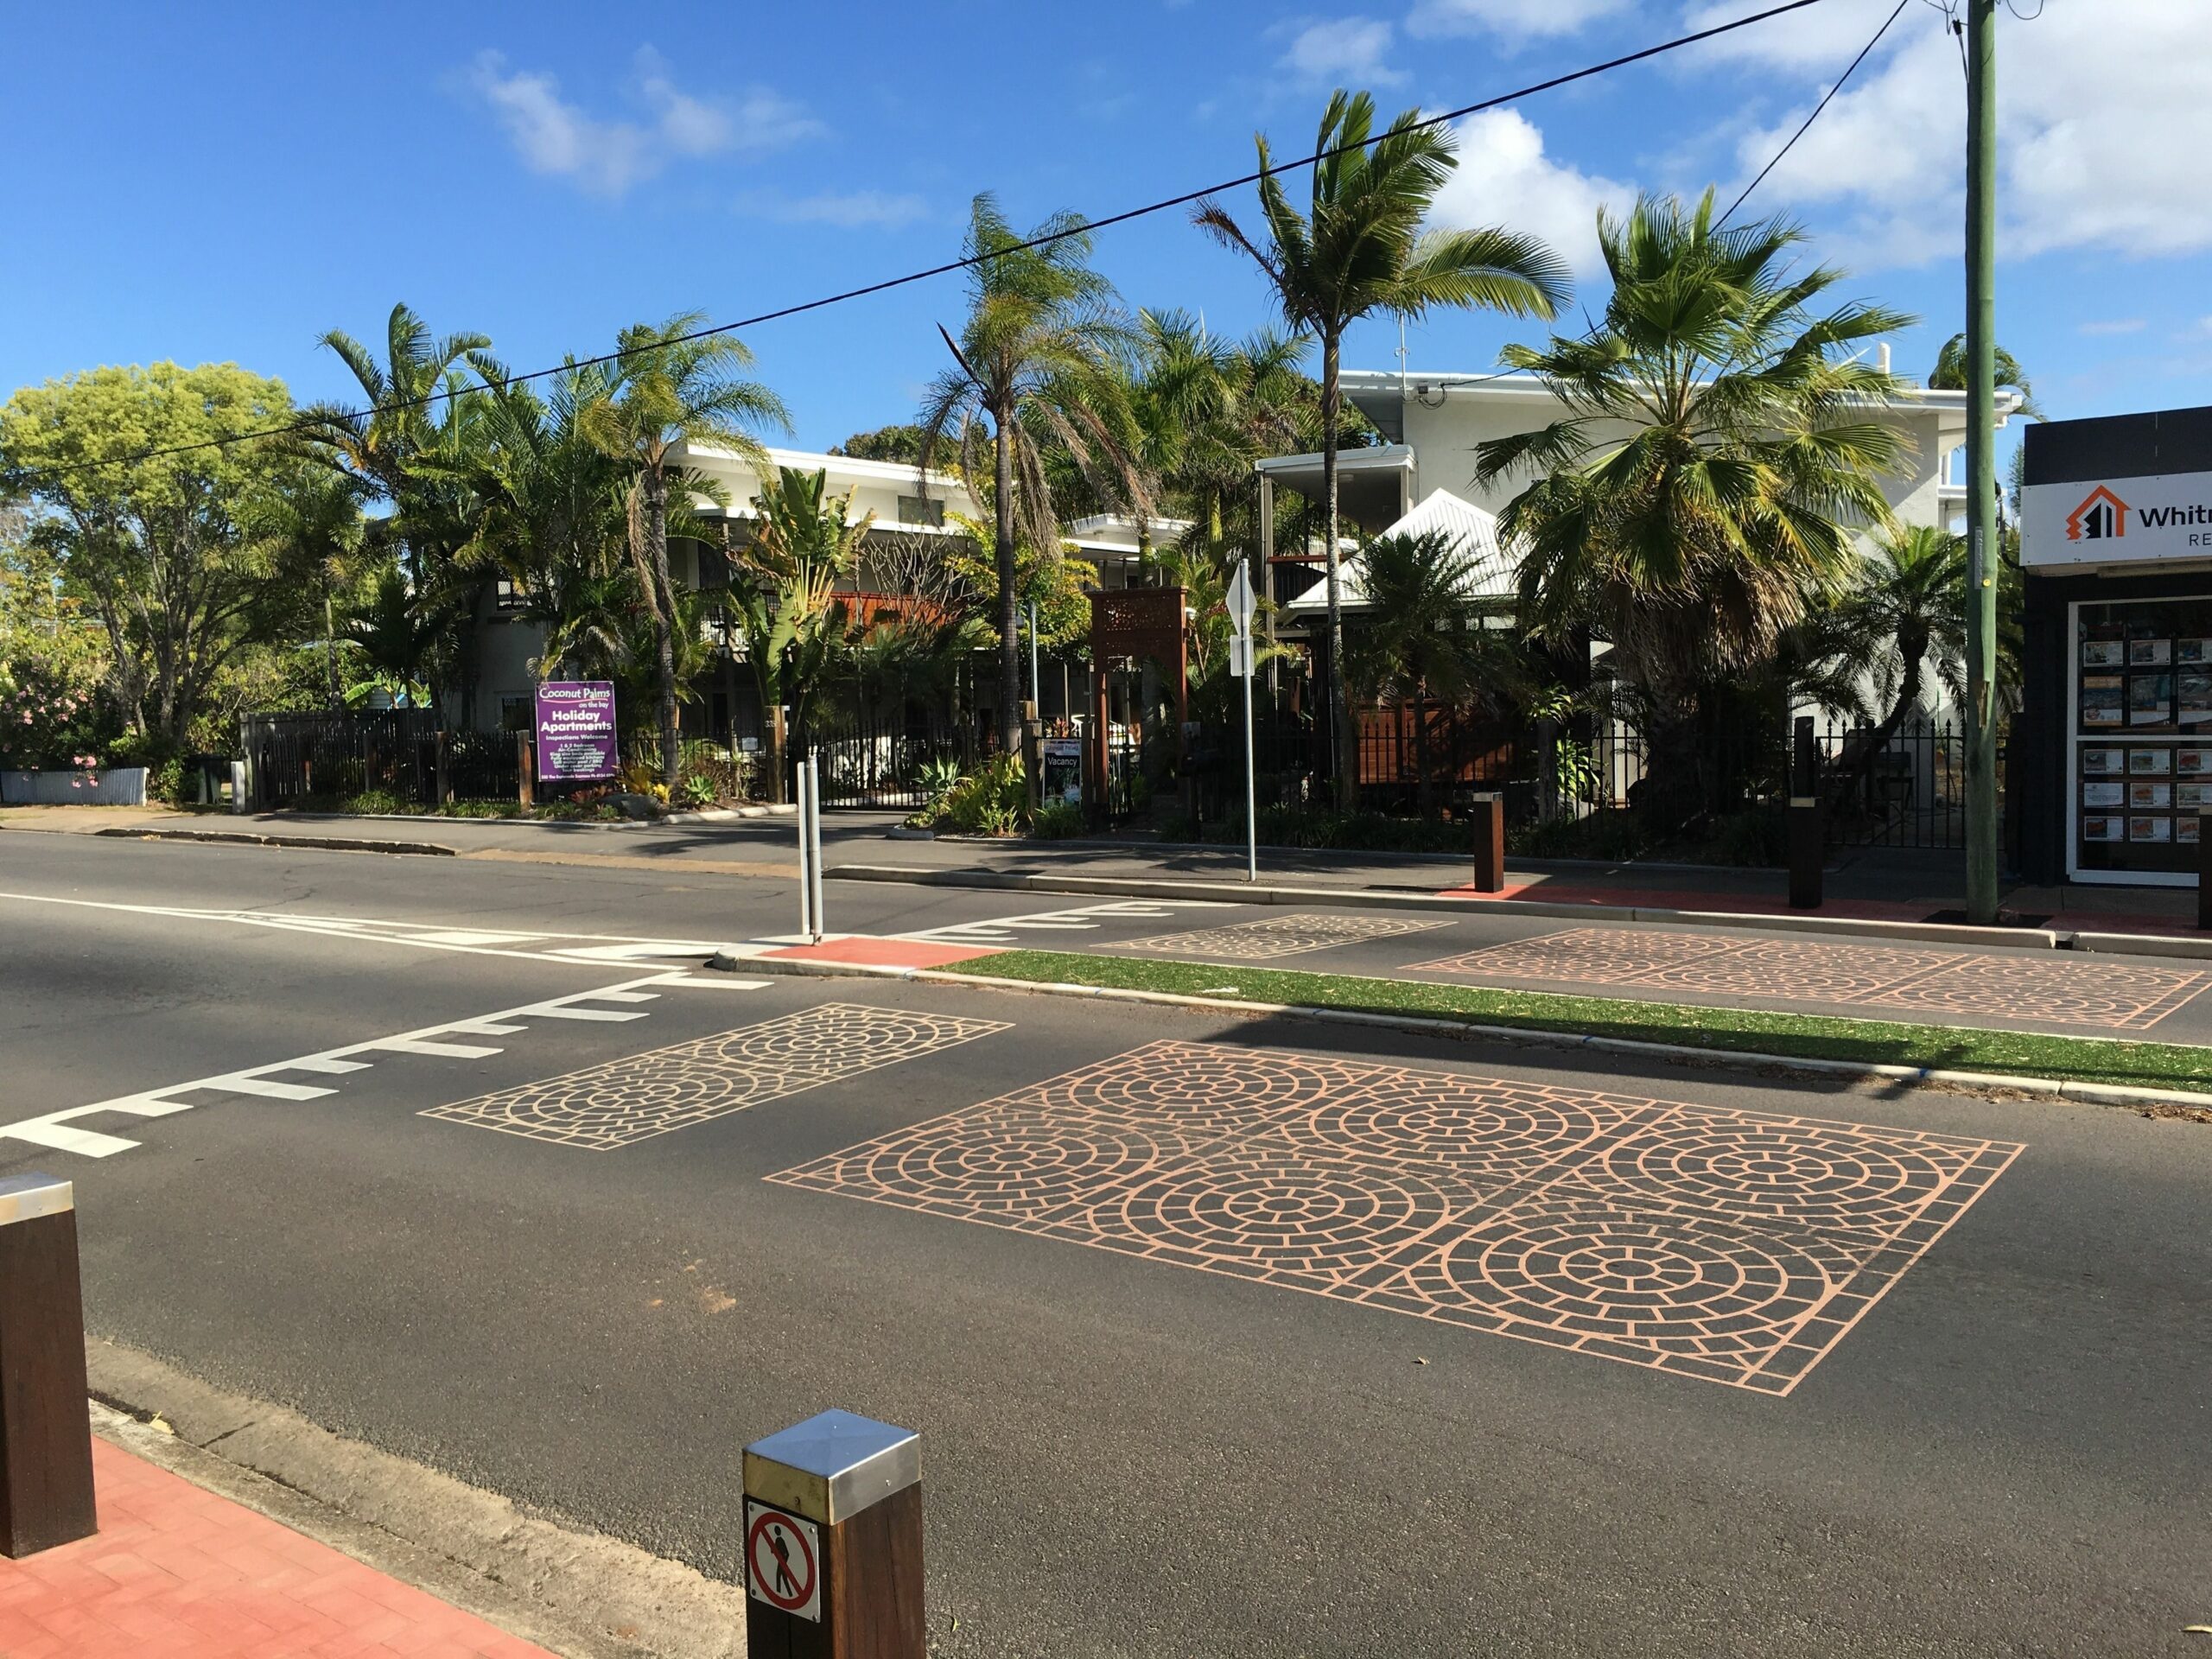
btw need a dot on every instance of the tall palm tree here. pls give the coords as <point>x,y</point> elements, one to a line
<point>674,386</point>
<point>1360,248</point>
<point>1425,639</point>
<point>1038,358</point>
<point>1719,451</point>
<point>1949,374</point>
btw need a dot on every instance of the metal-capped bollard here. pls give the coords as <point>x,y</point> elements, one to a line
<point>1808,851</point>
<point>46,1427</point>
<point>833,1542</point>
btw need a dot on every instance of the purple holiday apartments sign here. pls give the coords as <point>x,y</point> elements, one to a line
<point>575,730</point>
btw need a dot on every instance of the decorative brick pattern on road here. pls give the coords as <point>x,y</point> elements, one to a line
<point>1278,935</point>
<point>2096,991</point>
<point>1736,1247</point>
<point>621,1101</point>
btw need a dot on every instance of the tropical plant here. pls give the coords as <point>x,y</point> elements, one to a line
<point>1423,639</point>
<point>396,639</point>
<point>1719,451</point>
<point>1360,249</point>
<point>674,385</point>
<point>1038,358</point>
<point>322,556</point>
<point>1949,374</point>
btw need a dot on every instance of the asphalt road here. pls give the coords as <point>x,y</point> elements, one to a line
<point>2007,1453</point>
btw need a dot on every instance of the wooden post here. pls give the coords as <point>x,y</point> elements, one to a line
<point>46,1430</point>
<point>778,785</point>
<point>526,771</point>
<point>2204,867</point>
<point>1033,754</point>
<point>440,783</point>
<point>833,1542</point>
<point>1490,843</point>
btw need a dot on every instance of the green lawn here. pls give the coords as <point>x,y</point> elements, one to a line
<point>2163,1065</point>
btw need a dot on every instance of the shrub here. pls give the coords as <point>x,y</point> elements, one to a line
<point>995,793</point>
<point>698,791</point>
<point>1057,820</point>
<point>936,777</point>
<point>373,802</point>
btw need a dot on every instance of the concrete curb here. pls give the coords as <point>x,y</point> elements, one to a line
<point>310,843</point>
<point>1368,899</point>
<point>579,1593</point>
<point>2100,1093</point>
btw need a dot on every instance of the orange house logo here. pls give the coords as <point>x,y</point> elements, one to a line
<point>2101,517</point>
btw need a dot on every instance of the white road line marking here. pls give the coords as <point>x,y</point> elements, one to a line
<point>266,1088</point>
<point>54,1130</point>
<point>485,1028</point>
<point>622,996</point>
<point>1080,918</point>
<point>437,1051</point>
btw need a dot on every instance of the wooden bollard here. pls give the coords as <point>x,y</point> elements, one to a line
<point>833,1542</point>
<point>46,1428</point>
<point>1490,843</point>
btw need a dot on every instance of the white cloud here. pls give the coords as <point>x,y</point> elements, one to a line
<point>1505,178</point>
<point>2101,133</point>
<point>849,211</point>
<point>606,155</point>
<point>2115,326</point>
<point>1349,51</point>
<point>1512,21</point>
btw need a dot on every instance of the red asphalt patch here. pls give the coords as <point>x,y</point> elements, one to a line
<point>884,953</point>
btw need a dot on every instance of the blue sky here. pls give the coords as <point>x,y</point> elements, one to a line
<point>227,183</point>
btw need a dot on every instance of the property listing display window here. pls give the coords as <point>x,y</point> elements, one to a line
<point>2140,739</point>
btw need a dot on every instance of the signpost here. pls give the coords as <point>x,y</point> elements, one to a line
<point>575,731</point>
<point>1241,605</point>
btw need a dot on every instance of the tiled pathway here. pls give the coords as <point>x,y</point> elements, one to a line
<point>1278,935</point>
<point>176,1573</point>
<point>2052,987</point>
<point>1737,1246</point>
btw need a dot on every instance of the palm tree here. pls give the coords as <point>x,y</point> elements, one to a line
<point>1038,358</point>
<point>786,609</point>
<point>674,385</point>
<point>1359,250</point>
<point>1424,640</point>
<point>1718,450</point>
<point>1949,374</point>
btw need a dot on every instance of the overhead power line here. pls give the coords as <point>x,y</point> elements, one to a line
<point>1083,228</point>
<point>1826,99</point>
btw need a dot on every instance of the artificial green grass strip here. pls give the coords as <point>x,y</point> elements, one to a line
<point>1811,1036</point>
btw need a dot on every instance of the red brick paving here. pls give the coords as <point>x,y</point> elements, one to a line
<point>883,953</point>
<point>177,1572</point>
<point>1736,1247</point>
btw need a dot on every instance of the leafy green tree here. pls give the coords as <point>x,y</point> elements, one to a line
<point>54,659</point>
<point>322,561</point>
<point>1360,248</point>
<point>674,386</point>
<point>1720,451</point>
<point>163,549</point>
<point>785,602</point>
<point>893,443</point>
<point>1039,358</point>
<point>1424,640</point>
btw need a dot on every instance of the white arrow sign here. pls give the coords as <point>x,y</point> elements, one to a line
<point>1241,602</point>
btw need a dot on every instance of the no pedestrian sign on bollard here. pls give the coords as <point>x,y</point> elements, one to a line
<point>783,1560</point>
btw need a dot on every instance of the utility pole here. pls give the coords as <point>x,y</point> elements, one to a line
<point>1981,461</point>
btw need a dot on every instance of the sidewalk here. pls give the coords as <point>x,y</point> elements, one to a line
<point>178,1573</point>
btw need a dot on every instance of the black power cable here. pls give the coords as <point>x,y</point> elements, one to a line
<point>1087,226</point>
<point>1826,99</point>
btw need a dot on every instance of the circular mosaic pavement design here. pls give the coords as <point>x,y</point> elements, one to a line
<point>1017,1162</point>
<point>1683,1285</point>
<point>1204,1089</point>
<point>1806,1174</point>
<point>1476,1128</point>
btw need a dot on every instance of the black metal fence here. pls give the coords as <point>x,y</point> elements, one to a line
<point>887,762</point>
<point>1903,790</point>
<point>319,758</point>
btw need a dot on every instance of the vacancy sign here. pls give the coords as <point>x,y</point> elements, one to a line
<point>783,1560</point>
<point>2117,521</point>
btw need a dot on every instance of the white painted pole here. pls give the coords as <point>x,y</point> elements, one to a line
<point>814,834</point>
<point>806,879</point>
<point>1036,695</point>
<point>1251,791</point>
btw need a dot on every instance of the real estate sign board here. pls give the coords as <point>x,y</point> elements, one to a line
<point>575,731</point>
